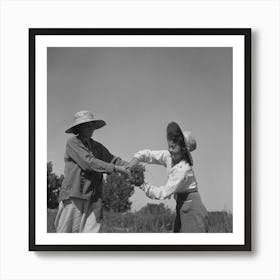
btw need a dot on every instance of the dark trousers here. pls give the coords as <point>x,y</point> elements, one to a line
<point>191,214</point>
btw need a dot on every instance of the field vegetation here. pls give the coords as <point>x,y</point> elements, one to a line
<point>144,220</point>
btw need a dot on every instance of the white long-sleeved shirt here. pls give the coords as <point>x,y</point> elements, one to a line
<point>181,178</point>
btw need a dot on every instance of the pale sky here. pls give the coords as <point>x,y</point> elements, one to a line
<point>138,91</point>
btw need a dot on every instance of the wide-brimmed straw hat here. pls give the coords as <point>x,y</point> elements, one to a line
<point>174,129</point>
<point>85,117</point>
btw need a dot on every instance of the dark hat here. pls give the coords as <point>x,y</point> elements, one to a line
<point>174,129</point>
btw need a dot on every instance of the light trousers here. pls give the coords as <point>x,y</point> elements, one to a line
<point>77,215</point>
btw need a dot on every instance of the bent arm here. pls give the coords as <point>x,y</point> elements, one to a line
<point>110,158</point>
<point>177,181</point>
<point>79,153</point>
<point>152,157</point>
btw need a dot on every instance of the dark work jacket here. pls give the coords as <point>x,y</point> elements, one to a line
<point>85,164</point>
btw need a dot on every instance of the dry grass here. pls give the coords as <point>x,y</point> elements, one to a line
<point>219,221</point>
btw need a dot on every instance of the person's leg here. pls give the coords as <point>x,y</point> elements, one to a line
<point>188,221</point>
<point>91,217</point>
<point>193,222</point>
<point>69,216</point>
<point>193,219</point>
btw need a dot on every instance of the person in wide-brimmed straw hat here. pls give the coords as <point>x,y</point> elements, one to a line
<point>84,117</point>
<point>80,197</point>
<point>191,214</point>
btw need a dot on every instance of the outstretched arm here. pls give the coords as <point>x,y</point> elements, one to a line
<point>151,157</point>
<point>79,153</point>
<point>178,181</point>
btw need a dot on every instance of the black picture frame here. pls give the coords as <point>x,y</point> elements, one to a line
<point>246,32</point>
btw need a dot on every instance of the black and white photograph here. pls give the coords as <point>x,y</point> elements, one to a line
<point>145,137</point>
<point>139,140</point>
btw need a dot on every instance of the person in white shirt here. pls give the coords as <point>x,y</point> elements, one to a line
<point>191,214</point>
